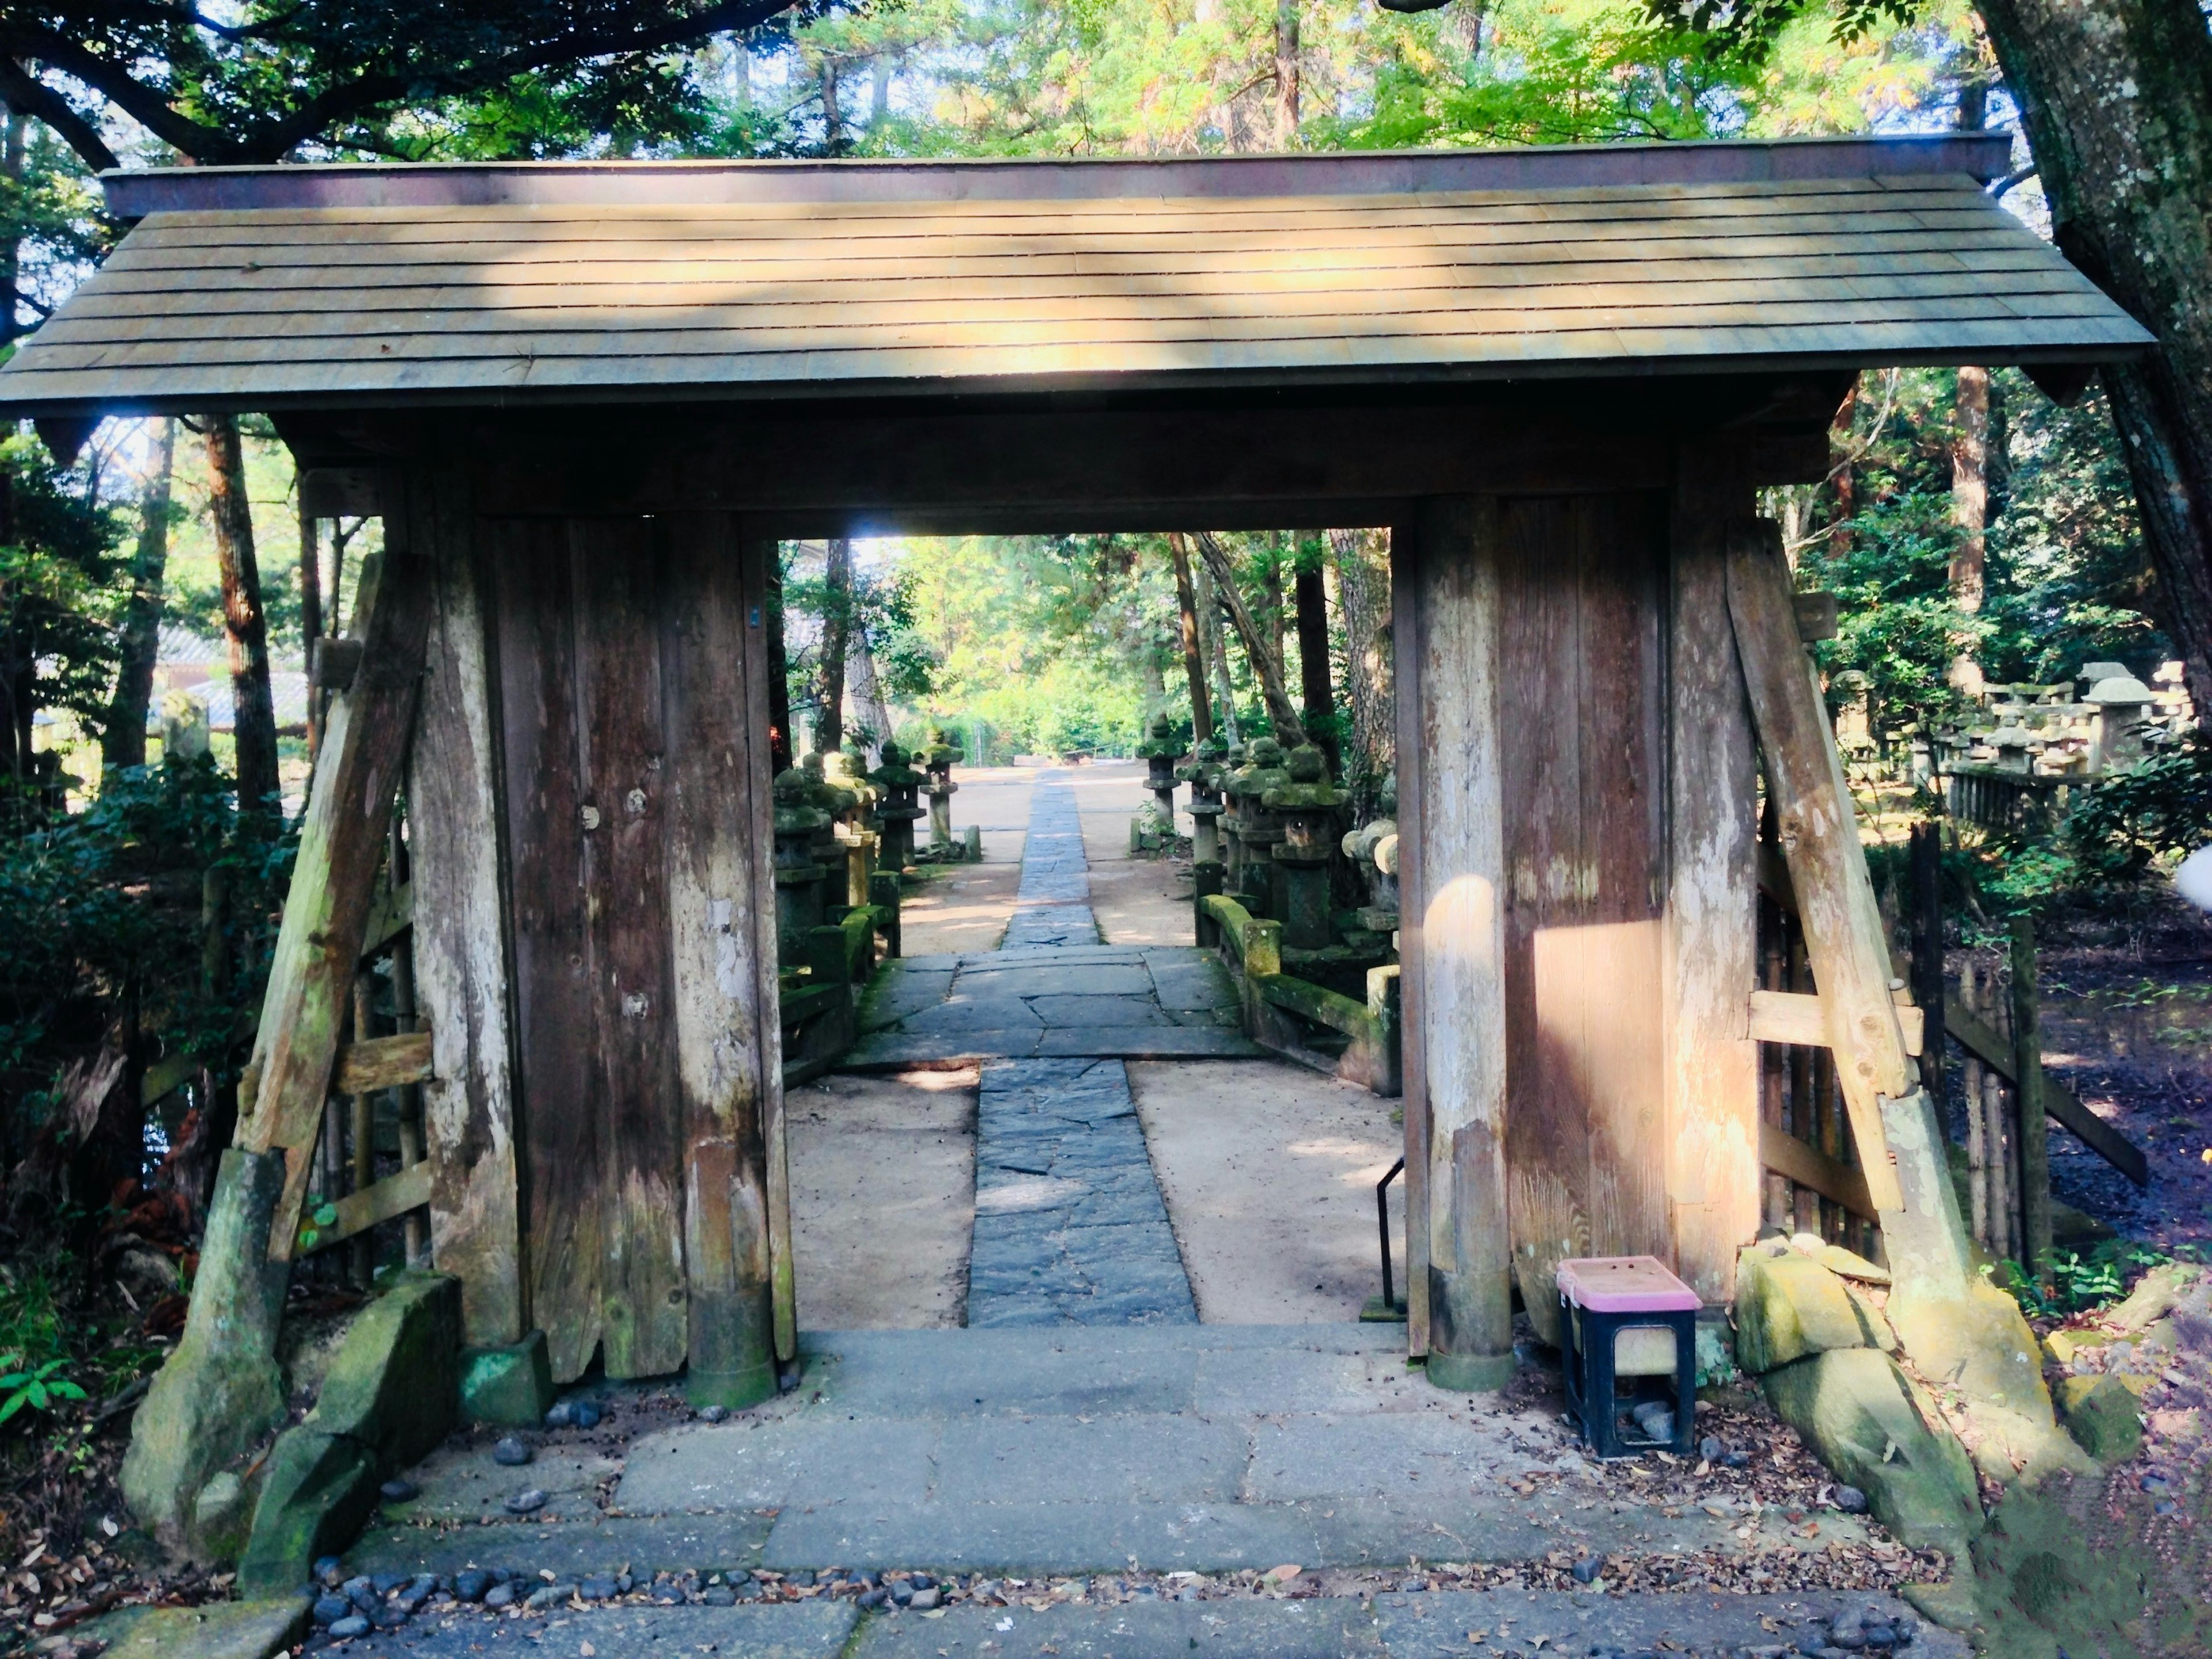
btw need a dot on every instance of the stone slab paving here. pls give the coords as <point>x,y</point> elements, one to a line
<point>1080,1449</point>
<point>1070,1226</point>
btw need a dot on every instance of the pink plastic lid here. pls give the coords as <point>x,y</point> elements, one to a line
<point>1625,1284</point>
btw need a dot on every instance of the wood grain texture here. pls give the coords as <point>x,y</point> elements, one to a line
<point>1712,1072</point>
<point>457,807</point>
<point>1797,1016</point>
<point>716,817</point>
<point>341,848</point>
<point>1581,660</point>
<point>1406,597</point>
<point>1819,834</point>
<point>621,573</point>
<point>317,303</point>
<point>386,1062</point>
<point>1460,870</point>
<point>563,1105</point>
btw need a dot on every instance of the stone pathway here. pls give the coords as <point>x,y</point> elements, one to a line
<point>1070,1226</point>
<point>1053,905</point>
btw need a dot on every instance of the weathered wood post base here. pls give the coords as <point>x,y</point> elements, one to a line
<point>221,1390</point>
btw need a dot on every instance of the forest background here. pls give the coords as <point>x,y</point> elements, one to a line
<point>1969,520</point>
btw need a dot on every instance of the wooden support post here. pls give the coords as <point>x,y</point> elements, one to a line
<point>720,885</point>
<point>1900,1147</point>
<point>2028,1072</point>
<point>1713,1173</point>
<point>364,1129</point>
<point>763,590</point>
<point>334,875</point>
<point>455,805</point>
<point>1452,936</point>
<point>1927,956</point>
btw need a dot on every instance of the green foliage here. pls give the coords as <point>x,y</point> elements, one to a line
<point>2158,809</point>
<point>117,892</point>
<point>38,1389</point>
<point>2079,1283</point>
<point>61,580</point>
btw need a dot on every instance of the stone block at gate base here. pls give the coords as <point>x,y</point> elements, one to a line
<point>511,1386</point>
<point>1859,1413</point>
<point>2103,1415</point>
<point>390,1397</point>
<point>1789,1306</point>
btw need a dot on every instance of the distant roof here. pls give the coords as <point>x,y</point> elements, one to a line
<point>307,287</point>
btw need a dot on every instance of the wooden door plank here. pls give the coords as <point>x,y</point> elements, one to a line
<point>333,880</point>
<point>386,1062</point>
<point>644,1319</point>
<point>1407,556</point>
<point>712,827</point>
<point>1547,1122</point>
<point>463,982</point>
<point>563,1088</point>
<point>759,554</point>
<point>1711,1070</point>
<point>1618,703</point>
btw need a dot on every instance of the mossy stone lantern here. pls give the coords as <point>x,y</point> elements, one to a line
<point>1306,806</point>
<point>1204,772</point>
<point>897,810</point>
<point>798,878</point>
<point>937,762</point>
<point>1374,848</point>
<point>1260,829</point>
<point>1160,754</point>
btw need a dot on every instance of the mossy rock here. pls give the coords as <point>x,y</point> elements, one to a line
<point>1789,1306</point>
<point>2103,1415</point>
<point>1862,1417</point>
<point>511,1386</point>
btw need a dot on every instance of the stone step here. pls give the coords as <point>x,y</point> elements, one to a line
<point>1393,1626</point>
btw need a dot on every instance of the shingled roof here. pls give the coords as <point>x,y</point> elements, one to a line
<point>322,287</point>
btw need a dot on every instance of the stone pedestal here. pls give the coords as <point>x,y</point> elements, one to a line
<point>1204,772</point>
<point>799,878</point>
<point>937,762</point>
<point>1306,807</point>
<point>1259,830</point>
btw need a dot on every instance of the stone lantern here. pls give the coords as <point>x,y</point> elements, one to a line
<point>1374,848</point>
<point>1204,772</point>
<point>937,762</point>
<point>2116,727</point>
<point>1234,765</point>
<point>856,827</point>
<point>897,810</point>
<point>799,878</point>
<point>1259,830</point>
<point>1305,805</point>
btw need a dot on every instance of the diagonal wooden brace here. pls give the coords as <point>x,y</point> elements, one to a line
<point>1821,842</point>
<point>342,841</point>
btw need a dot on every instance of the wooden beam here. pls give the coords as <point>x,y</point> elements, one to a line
<point>2059,1102</point>
<point>391,1062</point>
<point>1406,653</point>
<point>463,983</point>
<point>333,881</point>
<point>1459,940</point>
<point>356,1213</point>
<point>1798,1016</point>
<point>1808,1166</point>
<point>391,916</point>
<point>1710,942</point>
<point>1819,841</point>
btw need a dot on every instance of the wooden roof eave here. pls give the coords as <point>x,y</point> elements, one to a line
<point>2058,364</point>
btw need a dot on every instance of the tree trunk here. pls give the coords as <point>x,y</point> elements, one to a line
<point>1314,689</point>
<point>1846,481</point>
<point>833,120</point>
<point>1286,74</point>
<point>15,143</point>
<point>867,691</point>
<point>1194,657</point>
<point>1215,652</point>
<point>1970,513</point>
<point>253,719</point>
<point>2116,96</point>
<point>837,638</point>
<point>1267,667</point>
<point>1273,618</point>
<point>1363,582</point>
<point>123,741</point>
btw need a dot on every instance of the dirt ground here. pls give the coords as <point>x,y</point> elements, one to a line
<point>1137,901</point>
<point>883,1199</point>
<point>1269,1171</point>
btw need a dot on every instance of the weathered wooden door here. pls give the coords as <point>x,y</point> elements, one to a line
<point>1581,674</point>
<point>642,923</point>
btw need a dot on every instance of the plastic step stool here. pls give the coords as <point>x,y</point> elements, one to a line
<point>1630,1330</point>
